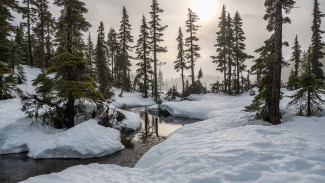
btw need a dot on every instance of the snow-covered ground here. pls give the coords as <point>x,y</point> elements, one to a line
<point>226,147</point>
<point>86,140</point>
<point>130,99</point>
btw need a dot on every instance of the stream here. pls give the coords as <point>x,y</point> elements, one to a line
<point>154,129</point>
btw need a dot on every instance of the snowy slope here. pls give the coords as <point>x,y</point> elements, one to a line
<point>224,148</point>
<point>86,140</point>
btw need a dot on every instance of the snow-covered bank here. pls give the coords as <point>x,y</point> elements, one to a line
<point>86,140</point>
<point>130,99</point>
<point>227,147</point>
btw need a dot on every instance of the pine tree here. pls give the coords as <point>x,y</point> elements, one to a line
<point>42,17</point>
<point>293,82</point>
<point>100,60</point>
<point>240,55</point>
<point>192,51</point>
<point>58,94</point>
<point>70,26</point>
<point>317,45</point>
<point>124,63</point>
<point>266,103</point>
<point>220,59</point>
<point>160,79</point>
<point>30,16</point>
<point>308,97</point>
<point>200,74</point>
<point>230,49</point>
<point>113,45</point>
<point>17,56</point>
<point>143,55</point>
<point>90,56</point>
<point>180,63</point>
<point>156,33</point>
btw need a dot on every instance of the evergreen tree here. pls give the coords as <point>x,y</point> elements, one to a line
<point>42,17</point>
<point>143,55</point>
<point>29,15</point>
<point>293,82</point>
<point>240,55</point>
<point>230,49</point>
<point>192,51</point>
<point>100,57</point>
<point>113,45</point>
<point>58,94</point>
<point>200,74</point>
<point>308,97</point>
<point>317,45</point>
<point>180,63</point>
<point>156,37</point>
<point>17,56</point>
<point>220,59</point>
<point>124,63</point>
<point>90,56</point>
<point>70,26</point>
<point>160,79</point>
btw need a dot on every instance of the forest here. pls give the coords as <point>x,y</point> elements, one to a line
<point>89,102</point>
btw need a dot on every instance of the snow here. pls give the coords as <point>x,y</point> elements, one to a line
<point>226,147</point>
<point>130,99</point>
<point>86,140</point>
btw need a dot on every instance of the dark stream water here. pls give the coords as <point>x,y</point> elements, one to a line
<point>154,129</point>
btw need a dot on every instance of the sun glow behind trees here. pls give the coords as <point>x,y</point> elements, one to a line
<point>205,9</point>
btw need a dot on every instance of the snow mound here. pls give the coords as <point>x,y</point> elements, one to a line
<point>85,140</point>
<point>130,99</point>
<point>132,121</point>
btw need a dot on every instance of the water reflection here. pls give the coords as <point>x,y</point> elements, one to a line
<point>155,126</point>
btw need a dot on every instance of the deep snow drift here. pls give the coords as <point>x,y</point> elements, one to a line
<point>226,147</point>
<point>86,140</point>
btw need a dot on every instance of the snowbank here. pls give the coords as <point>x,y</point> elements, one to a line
<point>130,99</point>
<point>85,140</point>
<point>132,121</point>
<point>211,151</point>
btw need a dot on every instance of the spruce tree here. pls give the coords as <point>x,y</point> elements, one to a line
<point>17,56</point>
<point>143,55</point>
<point>123,63</point>
<point>90,56</point>
<point>293,82</point>
<point>70,26</point>
<point>30,16</point>
<point>309,97</point>
<point>221,49</point>
<point>180,63</point>
<point>230,49</point>
<point>240,56</point>
<point>160,79</point>
<point>317,44</point>
<point>156,33</point>
<point>192,51</point>
<point>58,94</point>
<point>200,74</point>
<point>113,45</point>
<point>100,60</point>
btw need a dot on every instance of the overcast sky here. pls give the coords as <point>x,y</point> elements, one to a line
<point>252,11</point>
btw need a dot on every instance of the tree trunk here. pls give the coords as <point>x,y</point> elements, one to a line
<point>69,30</point>
<point>276,81</point>
<point>229,73</point>
<point>31,62</point>
<point>70,110</point>
<point>183,82</point>
<point>192,53</point>
<point>42,38</point>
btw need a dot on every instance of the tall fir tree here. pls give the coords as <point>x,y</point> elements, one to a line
<point>17,56</point>
<point>156,33</point>
<point>240,56</point>
<point>30,16</point>
<point>90,54</point>
<point>113,47</point>
<point>124,63</point>
<point>230,51</point>
<point>143,55</point>
<point>160,79</point>
<point>293,82</point>
<point>308,98</point>
<point>180,63</point>
<point>100,60</point>
<point>221,49</point>
<point>70,26</point>
<point>317,44</point>
<point>192,51</point>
